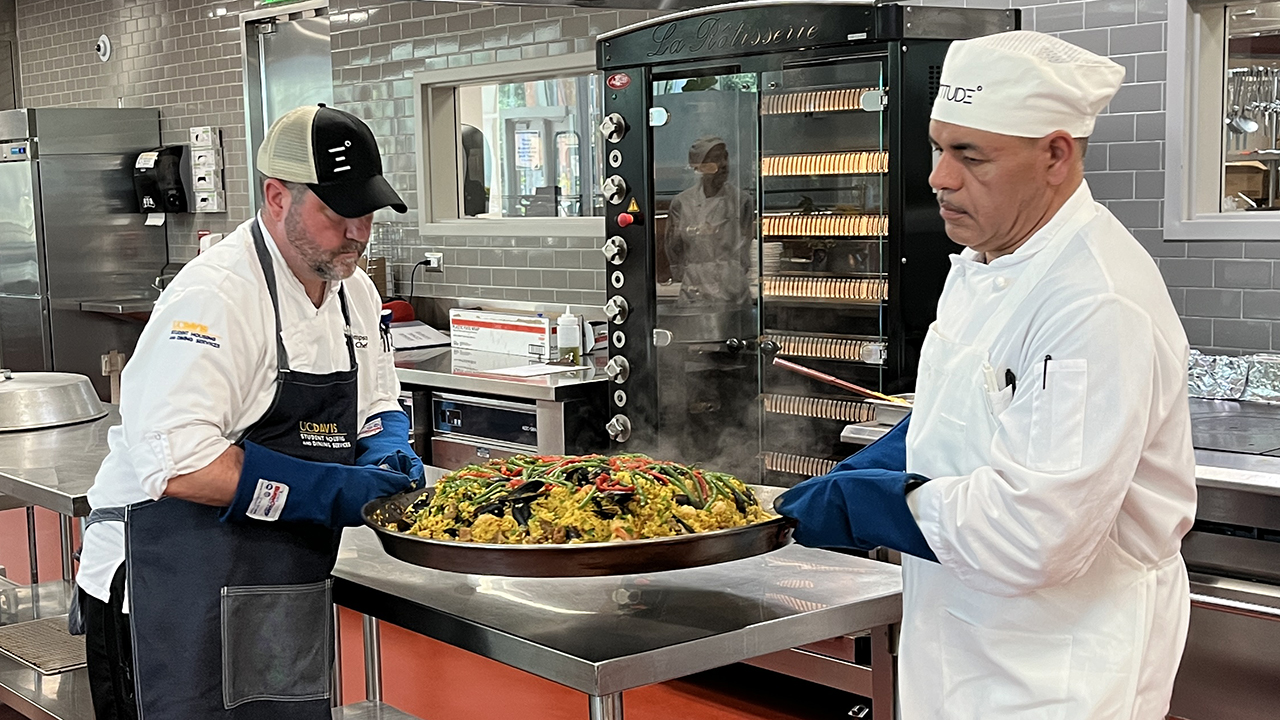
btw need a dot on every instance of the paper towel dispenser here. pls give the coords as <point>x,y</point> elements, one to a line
<point>162,180</point>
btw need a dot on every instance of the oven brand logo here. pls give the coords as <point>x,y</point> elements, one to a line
<point>193,332</point>
<point>322,435</point>
<point>716,34</point>
<point>957,94</point>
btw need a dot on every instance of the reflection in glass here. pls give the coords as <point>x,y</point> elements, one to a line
<point>710,231</point>
<point>706,159</point>
<point>526,160</point>
<point>1251,157</point>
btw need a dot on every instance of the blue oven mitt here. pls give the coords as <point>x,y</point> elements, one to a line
<point>388,445</point>
<point>278,487</point>
<point>860,509</point>
<point>887,453</point>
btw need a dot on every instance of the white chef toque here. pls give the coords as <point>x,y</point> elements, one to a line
<point>1025,84</point>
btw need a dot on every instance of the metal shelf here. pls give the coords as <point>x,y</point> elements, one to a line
<point>818,408</point>
<point>801,465</point>
<point>822,164</point>
<point>824,225</point>
<point>815,101</point>
<point>824,347</point>
<point>850,291</point>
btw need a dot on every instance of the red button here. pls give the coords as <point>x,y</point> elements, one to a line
<point>625,219</point>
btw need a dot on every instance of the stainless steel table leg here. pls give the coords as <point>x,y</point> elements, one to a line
<point>605,707</point>
<point>882,674</point>
<point>335,688</point>
<point>31,545</point>
<point>68,545</point>
<point>372,660</point>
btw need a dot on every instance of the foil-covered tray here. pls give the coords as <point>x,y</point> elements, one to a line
<point>1264,379</point>
<point>575,560</point>
<point>1216,377</point>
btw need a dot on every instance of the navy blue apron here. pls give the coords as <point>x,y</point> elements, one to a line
<point>234,620</point>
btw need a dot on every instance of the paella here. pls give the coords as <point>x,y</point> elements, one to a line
<point>553,499</point>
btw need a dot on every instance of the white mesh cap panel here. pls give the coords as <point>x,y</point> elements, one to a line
<point>286,153</point>
<point>1025,84</point>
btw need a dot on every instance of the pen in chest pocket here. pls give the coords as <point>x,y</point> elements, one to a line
<point>1044,376</point>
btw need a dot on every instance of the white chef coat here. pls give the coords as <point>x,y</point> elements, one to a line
<point>204,370</point>
<point>1090,468</point>
<point>709,242</point>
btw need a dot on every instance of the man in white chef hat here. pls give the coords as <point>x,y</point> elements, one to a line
<point>1041,487</point>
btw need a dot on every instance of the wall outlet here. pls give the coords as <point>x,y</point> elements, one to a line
<point>433,262</point>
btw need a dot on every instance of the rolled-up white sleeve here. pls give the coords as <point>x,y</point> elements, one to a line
<point>186,382</point>
<point>1061,461</point>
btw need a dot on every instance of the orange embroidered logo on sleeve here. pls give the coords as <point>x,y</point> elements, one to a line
<point>193,332</point>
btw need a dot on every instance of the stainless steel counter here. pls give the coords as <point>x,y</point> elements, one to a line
<point>55,468</point>
<point>608,634</point>
<point>123,306</point>
<point>469,371</point>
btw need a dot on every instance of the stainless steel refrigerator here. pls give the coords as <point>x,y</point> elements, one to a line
<point>70,234</point>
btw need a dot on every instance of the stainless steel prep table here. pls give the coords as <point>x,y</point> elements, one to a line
<point>54,468</point>
<point>464,371</point>
<point>604,635</point>
<point>462,411</point>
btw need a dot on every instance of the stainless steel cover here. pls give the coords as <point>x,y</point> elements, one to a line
<point>582,560</point>
<point>33,400</point>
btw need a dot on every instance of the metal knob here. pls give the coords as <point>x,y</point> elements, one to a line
<point>614,189</point>
<point>619,428</point>
<point>613,127</point>
<point>618,369</point>
<point>615,250</point>
<point>769,347</point>
<point>617,309</point>
<point>734,344</point>
<point>662,338</point>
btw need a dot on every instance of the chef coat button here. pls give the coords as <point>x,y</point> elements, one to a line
<point>1001,283</point>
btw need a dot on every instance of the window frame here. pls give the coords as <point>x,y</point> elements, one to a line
<point>439,167</point>
<point>1196,61</point>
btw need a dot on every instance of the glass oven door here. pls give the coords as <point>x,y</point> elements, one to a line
<point>824,285</point>
<point>706,156</point>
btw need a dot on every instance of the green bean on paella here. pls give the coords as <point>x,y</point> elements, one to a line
<point>541,499</point>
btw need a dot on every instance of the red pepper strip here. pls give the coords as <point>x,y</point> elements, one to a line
<point>606,484</point>
<point>702,485</point>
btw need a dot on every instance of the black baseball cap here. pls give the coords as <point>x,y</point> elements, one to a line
<point>335,154</point>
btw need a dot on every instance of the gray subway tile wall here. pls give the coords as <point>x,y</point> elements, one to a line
<point>379,46</point>
<point>183,58</point>
<point>179,56</point>
<point>1222,290</point>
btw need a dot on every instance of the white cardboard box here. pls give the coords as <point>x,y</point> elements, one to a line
<point>506,333</point>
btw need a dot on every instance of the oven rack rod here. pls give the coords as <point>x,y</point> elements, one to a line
<point>793,103</point>
<point>817,408</point>
<point>824,225</point>
<point>827,347</point>
<point>837,163</point>
<point>847,290</point>
<point>797,464</point>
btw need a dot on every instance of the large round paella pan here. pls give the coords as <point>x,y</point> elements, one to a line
<point>588,521</point>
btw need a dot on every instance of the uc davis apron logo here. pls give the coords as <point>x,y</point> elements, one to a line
<point>323,435</point>
<point>957,94</point>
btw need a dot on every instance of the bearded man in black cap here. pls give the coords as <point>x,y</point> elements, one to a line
<point>259,414</point>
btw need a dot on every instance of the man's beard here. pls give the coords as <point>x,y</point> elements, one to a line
<point>325,264</point>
